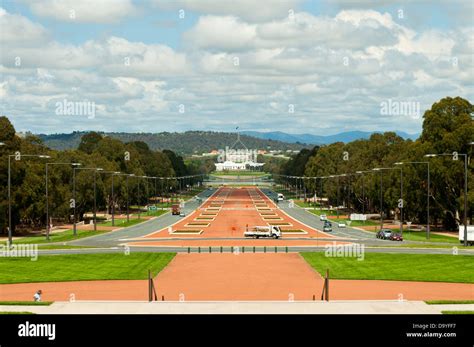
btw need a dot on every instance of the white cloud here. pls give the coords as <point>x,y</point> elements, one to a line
<point>17,30</point>
<point>84,11</point>
<point>250,10</point>
<point>335,70</point>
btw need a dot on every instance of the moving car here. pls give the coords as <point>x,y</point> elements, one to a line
<point>327,226</point>
<point>323,217</point>
<point>281,197</point>
<point>384,234</point>
<point>396,237</point>
<point>341,224</point>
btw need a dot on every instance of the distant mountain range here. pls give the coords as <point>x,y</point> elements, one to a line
<point>197,142</point>
<point>189,142</point>
<point>320,139</point>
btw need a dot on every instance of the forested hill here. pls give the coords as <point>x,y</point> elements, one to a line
<point>188,142</point>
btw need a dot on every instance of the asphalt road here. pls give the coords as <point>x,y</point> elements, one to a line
<point>112,242</point>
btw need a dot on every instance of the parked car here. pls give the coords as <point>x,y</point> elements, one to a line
<point>396,237</point>
<point>327,226</point>
<point>384,234</point>
<point>323,217</point>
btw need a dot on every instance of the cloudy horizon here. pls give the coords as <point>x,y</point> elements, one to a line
<point>295,66</point>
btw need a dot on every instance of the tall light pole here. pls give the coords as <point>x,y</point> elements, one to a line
<point>401,190</point>
<point>128,197</point>
<point>381,197</point>
<point>113,173</point>
<point>455,155</point>
<point>48,225</point>
<point>74,194</point>
<point>139,207</point>
<point>362,172</point>
<point>18,157</point>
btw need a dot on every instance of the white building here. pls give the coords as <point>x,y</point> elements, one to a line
<point>237,159</point>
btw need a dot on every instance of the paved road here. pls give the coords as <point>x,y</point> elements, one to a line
<point>112,239</point>
<point>112,242</point>
<point>357,235</point>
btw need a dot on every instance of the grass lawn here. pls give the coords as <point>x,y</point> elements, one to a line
<point>396,267</point>
<point>396,244</point>
<point>25,303</point>
<point>239,173</point>
<point>63,236</point>
<point>326,212</point>
<point>356,223</point>
<point>82,267</point>
<point>19,312</point>
<point>449,302</point>
<point>301,203</point>
<point>421,236</point>
<point>59,246</point>
<point>457,312</point>
<point>122,223</point>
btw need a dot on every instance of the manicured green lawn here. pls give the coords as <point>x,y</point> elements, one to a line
<point>122,223</point>
<point>239,173</point>
<point>25,303</point>
<point>356,223</point>
<point>449,302</point>
<point>403,267</point>
<point>326,212</point>
<point>64,236</point>
<point>396,244</point>
<point>457,312</point>
<point>19,312</point>
<point>421,236</point>
<point>301,203</point>
<point>82,267</point>
<point>61,246</point>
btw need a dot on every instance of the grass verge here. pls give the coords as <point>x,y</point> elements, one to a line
<point>82,267</point>
<point>64,236</point>
<point>457,312</point>
<point>25,303</point>
<point>396,267</point>
<point>449,302</point>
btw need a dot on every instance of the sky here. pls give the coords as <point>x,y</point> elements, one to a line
<point>297,66</point>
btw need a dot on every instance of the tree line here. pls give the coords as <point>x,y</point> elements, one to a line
<point>448,128</point>
<point>94,151</point>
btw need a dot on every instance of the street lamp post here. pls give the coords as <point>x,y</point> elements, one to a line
<point>363,188</point>
<point>128,197</point>
<point>113,173</point>
<point>427,195</point>
<point>455,155</point>
<point>401,191</point>
<point>48,225</point>
<point>381,197</point>
<point>74,194</point>
<point>18,157</point>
